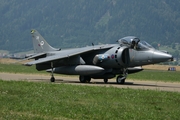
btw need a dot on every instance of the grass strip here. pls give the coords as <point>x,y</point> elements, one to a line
<point>28,100</point>
<point>156,75</point>
<point>19,68</point>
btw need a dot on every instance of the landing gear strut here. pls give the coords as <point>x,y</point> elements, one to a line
<point>52,75</point>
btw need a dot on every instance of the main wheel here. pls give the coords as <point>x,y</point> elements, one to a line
<point>88,79</point>
<point>52,79</point>
<point>120,79</point>
<point>105,80</point>
<point>84,79</point>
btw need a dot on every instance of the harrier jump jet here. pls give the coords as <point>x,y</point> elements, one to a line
<point>96,61</point>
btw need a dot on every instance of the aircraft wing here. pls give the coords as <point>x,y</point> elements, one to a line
<point>68,53</point>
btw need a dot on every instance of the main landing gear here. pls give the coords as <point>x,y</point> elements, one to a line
<point>105,80</point>
<point>84,79</point>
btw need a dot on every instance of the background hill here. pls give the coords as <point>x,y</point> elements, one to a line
<point>76,23</point>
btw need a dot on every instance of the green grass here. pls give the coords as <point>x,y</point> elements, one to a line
<point>153,75</point>
<point>28,100</point>
<point>19,68</point>
<point>156,75</point>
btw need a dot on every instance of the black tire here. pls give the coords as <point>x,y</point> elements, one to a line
<point>120,79</point>
<point>84,79</point>
<point>105,80</point>
<point>88,79</point>
<point>52,79</point>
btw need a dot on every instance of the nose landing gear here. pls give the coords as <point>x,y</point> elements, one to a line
<point>121,78</point>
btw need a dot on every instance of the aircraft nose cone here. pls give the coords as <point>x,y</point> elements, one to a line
<point>159,56</point>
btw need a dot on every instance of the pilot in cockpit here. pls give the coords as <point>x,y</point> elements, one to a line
<point>133,45</point>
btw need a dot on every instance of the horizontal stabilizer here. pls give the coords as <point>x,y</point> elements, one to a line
<point>36,56</point>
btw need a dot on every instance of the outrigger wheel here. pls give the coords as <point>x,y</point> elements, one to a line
<point>52,79</point>
<point>52,75</point>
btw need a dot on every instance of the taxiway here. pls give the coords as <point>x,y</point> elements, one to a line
<point>134,84</point>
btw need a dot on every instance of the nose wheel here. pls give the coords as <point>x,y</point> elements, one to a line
<point>120,79</point>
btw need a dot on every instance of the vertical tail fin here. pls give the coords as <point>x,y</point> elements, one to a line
<point>40,44</point>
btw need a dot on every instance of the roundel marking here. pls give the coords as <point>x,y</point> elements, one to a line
<point>42,43</point>
<point>112,56</point>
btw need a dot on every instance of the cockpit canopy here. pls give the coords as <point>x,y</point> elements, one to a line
<point>129,41</point>
<point>134,43</point>
<point>144,45</point>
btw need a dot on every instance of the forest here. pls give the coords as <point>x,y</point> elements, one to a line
<point>77,23</point>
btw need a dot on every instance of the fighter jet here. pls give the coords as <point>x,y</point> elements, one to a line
<point>96,61</point>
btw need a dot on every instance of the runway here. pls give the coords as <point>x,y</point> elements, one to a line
<point>134,84</point>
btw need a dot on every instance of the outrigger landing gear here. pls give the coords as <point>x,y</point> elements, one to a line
<point>52,79</point>
<point>52,75</point>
